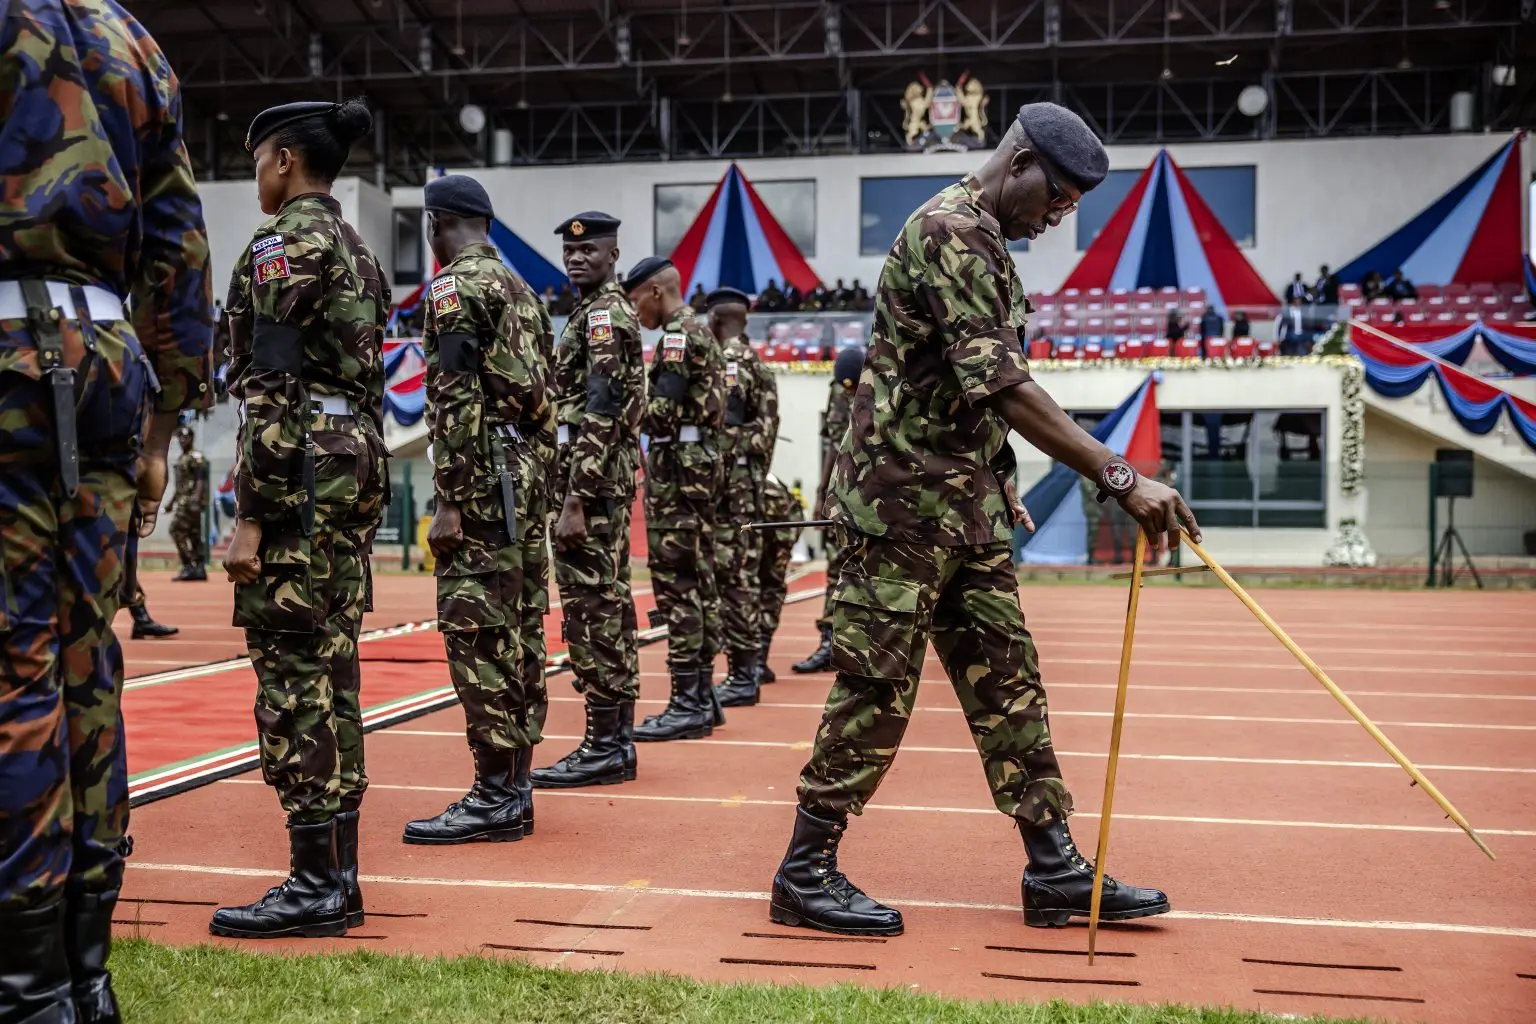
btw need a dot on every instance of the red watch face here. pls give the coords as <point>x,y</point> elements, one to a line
<point>1119,477</point>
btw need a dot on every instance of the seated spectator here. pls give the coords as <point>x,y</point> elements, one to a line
<point>565,302</point>
<point>1297,289</point>
<point>1400,288</point>
<point>1176,324</point>
<point>861,298</point>
<point>1291,331</point>
<point>794,302</point>
<point>698,300</point>
<point>1240,326</point>
<point>1326,291</point>
<point>1370,286</point>
<point>548,297</point>
<point>1211,325</point>
<point>771,300</point>
<point>839,297</point>
<point>817,300</point>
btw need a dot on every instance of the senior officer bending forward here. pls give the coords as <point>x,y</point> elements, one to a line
<point>928,533</point>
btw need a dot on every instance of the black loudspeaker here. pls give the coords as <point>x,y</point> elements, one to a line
<point>1453,478</point>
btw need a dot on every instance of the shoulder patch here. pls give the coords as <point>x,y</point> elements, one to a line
<point>264,246</point>
<point>599,318</point>
<point>271,267</point>
<point>732,370</point>
<point>673,346</point>
<point>445,285</point>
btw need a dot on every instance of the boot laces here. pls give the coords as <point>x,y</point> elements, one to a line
<point>834,881</point>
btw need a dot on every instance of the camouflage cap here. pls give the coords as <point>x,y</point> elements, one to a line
<point>273,118</point>
<point>1066,141</point>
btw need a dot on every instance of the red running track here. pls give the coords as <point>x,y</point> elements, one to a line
<point>1307,876</point>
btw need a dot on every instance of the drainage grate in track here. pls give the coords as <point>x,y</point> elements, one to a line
<point>354,935</point>
<point>1060,981</point>
<point>1055,952</point>
<point>1320,966</point>
<point>385,913</point>
<point>1527,977</point>
<point>1336,995</point>
<point>130,922</point>
<point>813,938</point>
<point>795,963</point>
<point>168,903</point>
<point>550,949</point>
<point>580,924</point>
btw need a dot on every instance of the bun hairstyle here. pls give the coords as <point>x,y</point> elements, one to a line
<point>327,141</point>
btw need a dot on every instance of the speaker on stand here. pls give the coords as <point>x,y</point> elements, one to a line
<point>1450,478</point>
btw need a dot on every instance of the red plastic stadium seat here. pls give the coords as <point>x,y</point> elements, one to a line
<point>1094,325</point>
<point>1242,348</point>
<point>1120,305</point>
<point>1093,349</point>
<point>1043,324</point>
<point>1348,291</point>
<point>1069,350</point>
<point>1471,316</point>
<point>1040,348</point>
<point>1159,348</point>
<point>1500,317</point>
<point>1120,325</point>
<point>1382,302</point>
<point>1095,305</point>
<point>1145,304</point>
<point>1446,316</point>
<point>1266,349</point>
<point>1491,302</point>
<point>1436,302</point>
<point>778,331</point>
<point>1132,348</point>
<point>1518,306</point>
<point>1096,292</point>
<point>1428,291</point>
<point>1194,295</point>
<point>1068,329</point>
<point>1464,301</point>
<point>1147,323</point>
<point>1408,306</point>
<point>1216,348</point>
<point>1119,293</point>
<point>1450,291</point>
<point>1071,293</point>
<point>1483,288</point>
<point>1168,290</point>
<point>1187,348</point>
<point>1418,318</point>
<point>1144,290</point>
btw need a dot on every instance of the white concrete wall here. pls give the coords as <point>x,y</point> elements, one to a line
<point>1318,201</point>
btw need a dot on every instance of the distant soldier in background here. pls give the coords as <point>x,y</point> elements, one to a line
<point>97,206</point>
<point>683,416</point>
<point>144,627</point>
<point>599,395</point>
<point>745,449</point>
<point>187,507</point>
<point>834,424</point>
<point>779,506</point>
<point>307,304</point>
<point>492,424</point>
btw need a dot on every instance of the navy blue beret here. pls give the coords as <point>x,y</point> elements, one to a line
<point>458,194</point>
<point>645,270</point>
<point>591,224</point>
<point>725,296</point>
<point>1067,142</point>
<point>849,364</point>
<point>273,118</point>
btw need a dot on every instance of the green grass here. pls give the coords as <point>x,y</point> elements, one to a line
<point>172,985</point>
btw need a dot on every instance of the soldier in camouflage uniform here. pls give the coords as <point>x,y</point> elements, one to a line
<point>488,342</point>
<point>187,507</point>
<point>683,416</point>
<point>779,506</point>
<point>599,399</point>
<point>919,484</point>
<point>834,424</point>
<point>307,303</point>
<point>144,625</point>
<point>98,211</point>
<point>745,449</point>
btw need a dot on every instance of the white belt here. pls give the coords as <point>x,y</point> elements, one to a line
<point>685,435</point>
<point>103,306</point>
<point>331,405</point>
<point>563,434</point>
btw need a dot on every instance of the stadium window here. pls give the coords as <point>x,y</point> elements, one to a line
<point>1264,468</point>
<point>1230,192</point>
<point>886,203</point>
<point>408,246</point>
<point>792,203</point>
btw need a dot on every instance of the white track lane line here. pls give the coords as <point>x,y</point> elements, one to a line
<point>758,897</point>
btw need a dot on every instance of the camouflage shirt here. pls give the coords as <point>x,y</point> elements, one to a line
<point>488,344</point>
<point>96,187</point>
<point>191,469</point>
<point>834,423</point>
<point>687,379</point>
<point>306,309</point>
<point>913,465</point>
<point>751,404</point>
<point>600,396</point>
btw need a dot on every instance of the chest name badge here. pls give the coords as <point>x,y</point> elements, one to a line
<point>672,347</point>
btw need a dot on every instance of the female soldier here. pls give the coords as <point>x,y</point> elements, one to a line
<point>306,313</point>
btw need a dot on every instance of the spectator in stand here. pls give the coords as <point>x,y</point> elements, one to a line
<point>1291,330</point>
<point>564,303</point>
<point>771,300</point>
<point>794,302</point>
<point>1297,290</point>
<point>818,300</point>
<point>1370,286</point>
<point>861,299</point>
<point>1400,288</point>
<point>840,297</point>
<point>549,298</point>
<point>1326,291</point>
<point>1176,325</point>
<point>1240,326</point>
<point>1211,326</point>
<point>699,299</point>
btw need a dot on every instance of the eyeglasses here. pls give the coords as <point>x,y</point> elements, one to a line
<point>1059,201</point>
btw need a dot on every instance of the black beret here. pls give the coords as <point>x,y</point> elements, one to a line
<point>457,194</point>
<point>592,224</point>
<point>725,296</point>
<point>849,364</point>
<point>273,118</point>
<point>645,270</point>
<point>1066,141</point>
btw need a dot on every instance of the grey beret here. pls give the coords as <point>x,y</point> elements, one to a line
<point>1067,142</point>
<point>458,194</point>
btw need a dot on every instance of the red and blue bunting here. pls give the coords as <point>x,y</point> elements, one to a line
<point>405,371</point>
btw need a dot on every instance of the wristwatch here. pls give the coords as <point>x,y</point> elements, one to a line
<point>1117,478</point>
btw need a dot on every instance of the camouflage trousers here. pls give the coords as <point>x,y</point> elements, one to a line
<point>492,594</point>
<point>887,602</point>
<point>597,604</point>
<point>187,533</point>
<point>772,574</point>
<point>837,557</point>
<point>737,554</point>
<point>680,488</point>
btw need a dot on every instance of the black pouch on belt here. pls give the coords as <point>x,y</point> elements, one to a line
<point>43,320</point>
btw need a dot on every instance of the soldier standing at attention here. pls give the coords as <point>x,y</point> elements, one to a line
<point>307,304</point>
<point>834,424</point>
<point>144,625</point>
<point>779,506</point>
<point>599,398</point>
<point>930,533</point>
<point>187,507</point>
<point>98,210</point>
<point>745,449</point>
<point>683,416</point>
<point>492,425</point>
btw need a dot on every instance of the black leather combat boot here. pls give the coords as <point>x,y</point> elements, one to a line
<point>311,903</point>
<point>740,689</point>
<point>522,772</point>
<point>810,892</point>
<point>87,943</point>
<point>600,760</point>
<point>765,671</point>
<point>145,627</point>
<point>1058,883</point>
<point>492,810</point>
<point>690,714</point>
<point>34,969</point>
<point>346,863</point>
<point>820,659</point>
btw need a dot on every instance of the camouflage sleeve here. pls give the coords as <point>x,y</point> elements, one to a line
<point>237,324</point>
<point>288,296</point>
<point>964,283</point>
<point>173,297</point>
<point>458,343</point>
<point>764,430</point>
<point>598,430</point>
<point>516,372</point>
